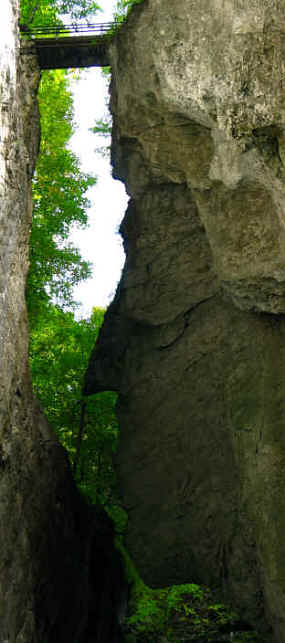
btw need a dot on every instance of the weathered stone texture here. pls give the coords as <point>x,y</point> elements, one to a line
<point>194,341</point>
<point>59,572</point>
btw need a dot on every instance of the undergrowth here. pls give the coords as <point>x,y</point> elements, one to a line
<point>182,613</point>
<point>179,613</point>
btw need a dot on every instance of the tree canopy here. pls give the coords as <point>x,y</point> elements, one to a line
<point>38,12</point>
<point>59,344</point>
<point>60,347</point>
<point>59,354</point>
<point>59,193</point>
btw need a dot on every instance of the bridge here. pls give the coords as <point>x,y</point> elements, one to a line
<point>65,46</point>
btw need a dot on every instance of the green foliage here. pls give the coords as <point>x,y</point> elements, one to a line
<point>43,12</point>
<point>60,346</point>
<point>180,613</point>
<point>59,186</point>
<point>149,614</point>
<point>120,519</point>
<point>59,352</point>
<point>79,9</point>
<point>176,591</point>
<point>38,12</point>
<point>124,7</point>
<point>103,127</point>
<point>59,193</point>
<point>95,474</point>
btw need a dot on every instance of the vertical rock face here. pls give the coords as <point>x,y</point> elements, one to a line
<point>195,339</point>
<point>59,573</point>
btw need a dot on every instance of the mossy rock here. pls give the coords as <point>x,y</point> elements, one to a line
<point>182,613</point>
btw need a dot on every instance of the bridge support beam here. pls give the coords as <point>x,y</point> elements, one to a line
<point>69,52</point>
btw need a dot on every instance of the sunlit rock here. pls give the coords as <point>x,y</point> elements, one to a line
<point>195,339</point>
<point>59,572</point>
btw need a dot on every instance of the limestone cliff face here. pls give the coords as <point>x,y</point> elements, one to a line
<point>59,573</point>
<point>195,339</point>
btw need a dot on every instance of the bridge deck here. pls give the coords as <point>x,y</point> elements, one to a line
<point>63,53</point>
<point>59,49</point>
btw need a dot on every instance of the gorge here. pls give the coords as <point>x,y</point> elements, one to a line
<point>193,342</point>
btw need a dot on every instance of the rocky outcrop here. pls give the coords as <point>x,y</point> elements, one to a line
<point>59,571</point>
<point>194,341</point>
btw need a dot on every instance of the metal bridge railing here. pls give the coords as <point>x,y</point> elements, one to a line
<point>69,30</point>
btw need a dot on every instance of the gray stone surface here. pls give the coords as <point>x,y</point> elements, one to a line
<point>194,341</point>
<point>59,572</point>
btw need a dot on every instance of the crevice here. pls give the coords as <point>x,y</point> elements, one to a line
<point>186,315</point>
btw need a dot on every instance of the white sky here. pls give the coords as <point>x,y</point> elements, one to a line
<point>100,243</point>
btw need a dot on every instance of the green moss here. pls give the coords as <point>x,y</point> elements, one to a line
<point>123,9</point>
<point>180,613</point>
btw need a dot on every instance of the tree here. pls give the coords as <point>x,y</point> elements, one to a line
<point>124,7</point>
<point>60,345</point>
<point>59,353</point>
<point>59,193</point>
<point>59,186</point>
<point>42,12</point>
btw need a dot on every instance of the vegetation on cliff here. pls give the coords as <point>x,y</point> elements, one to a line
<point>59,194</point>
<point>183,613</point>
<point>59,354</point>
<point>124,7</point>
<point>59,344</point>
<point>37,12</point>
<point>60,348</point>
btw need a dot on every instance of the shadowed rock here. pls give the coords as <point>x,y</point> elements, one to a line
<point>195,340</point>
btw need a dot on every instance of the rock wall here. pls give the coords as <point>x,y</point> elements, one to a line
<point>195,339</point>
<point>59,572</point>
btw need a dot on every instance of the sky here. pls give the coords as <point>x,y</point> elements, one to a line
<point>100,243</point>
